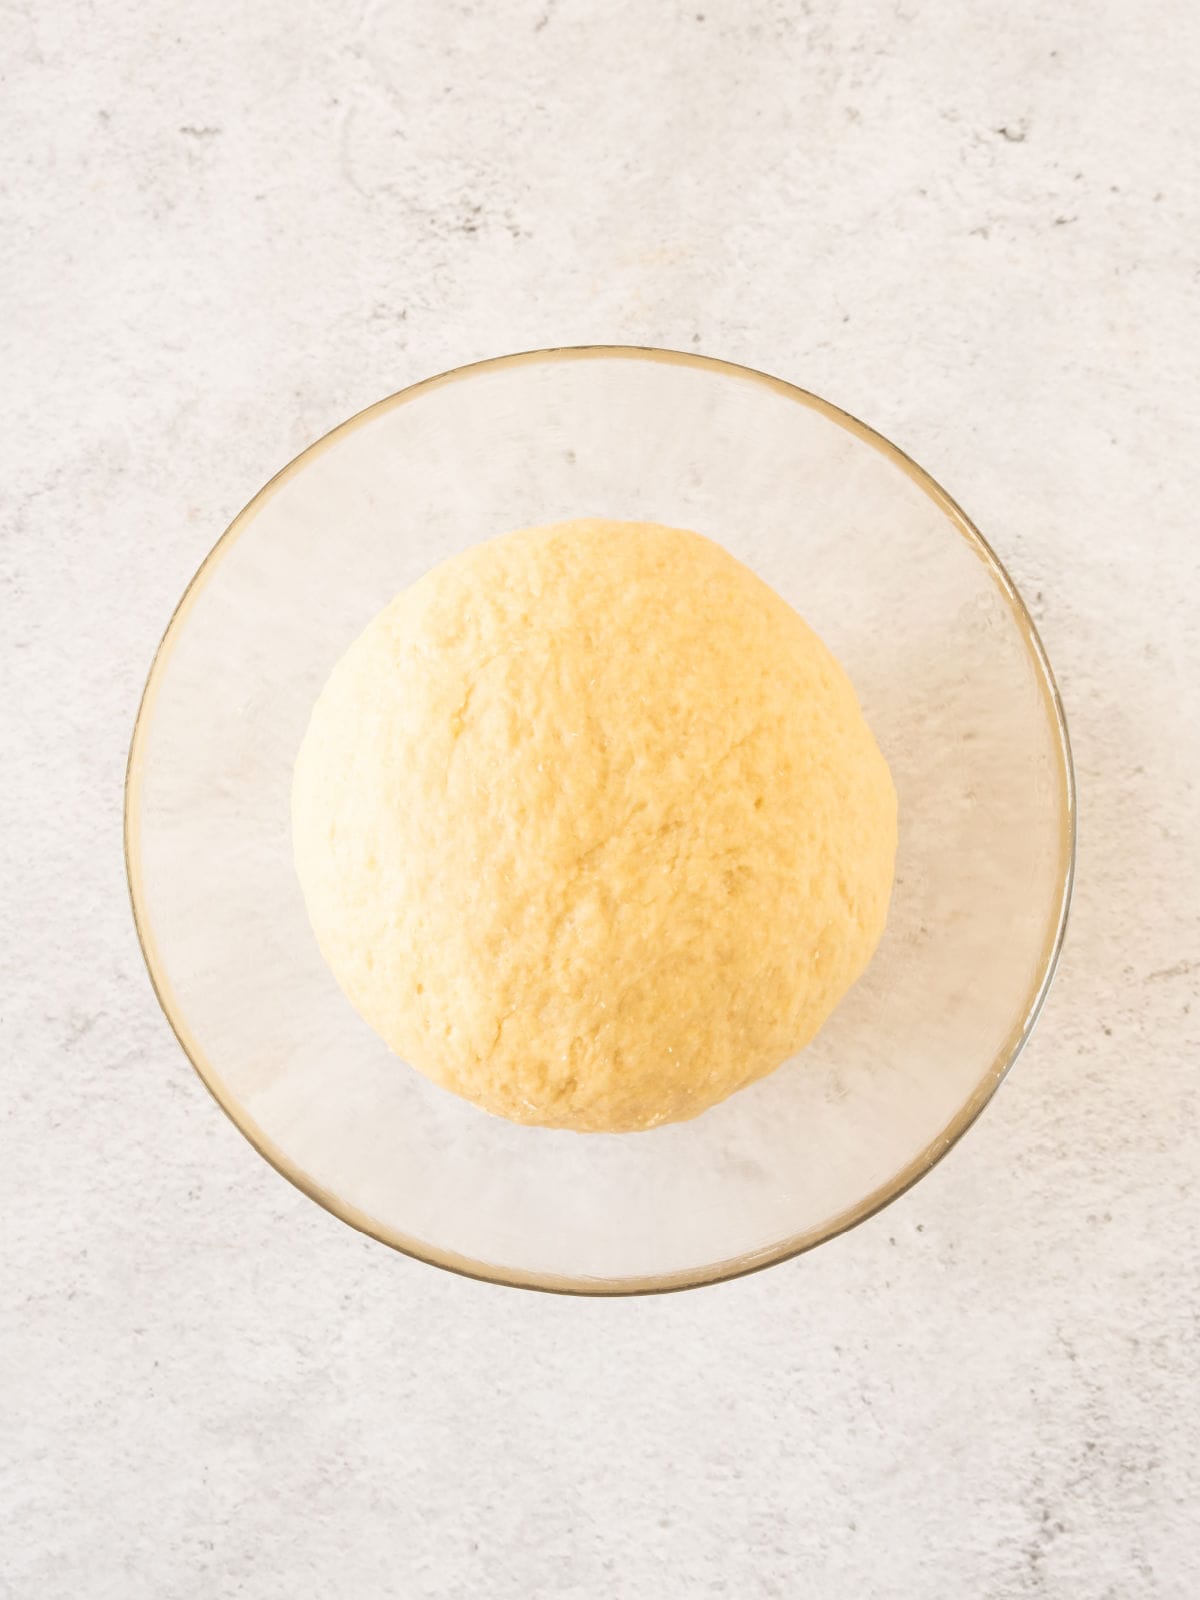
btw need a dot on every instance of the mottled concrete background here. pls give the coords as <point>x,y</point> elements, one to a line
<point>226,227</point>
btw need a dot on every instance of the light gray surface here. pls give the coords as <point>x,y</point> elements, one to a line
<point>220,239</point>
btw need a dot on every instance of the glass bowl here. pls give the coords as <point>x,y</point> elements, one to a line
<point>953,681</point>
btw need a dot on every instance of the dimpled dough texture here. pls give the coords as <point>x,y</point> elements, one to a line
<point>590,826</point>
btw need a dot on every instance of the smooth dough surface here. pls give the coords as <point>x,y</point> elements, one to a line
<point>591,828</point>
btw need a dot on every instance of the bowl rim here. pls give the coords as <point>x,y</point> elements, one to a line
<point>731,1267</point>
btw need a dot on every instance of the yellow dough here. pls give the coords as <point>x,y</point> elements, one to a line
<point>591,828</point>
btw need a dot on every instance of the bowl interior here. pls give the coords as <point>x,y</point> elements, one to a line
<point>952,681</point>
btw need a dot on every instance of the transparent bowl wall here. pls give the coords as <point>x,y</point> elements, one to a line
<point>950,675</point>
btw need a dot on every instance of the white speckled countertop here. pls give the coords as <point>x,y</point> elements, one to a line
<point>220,238</point>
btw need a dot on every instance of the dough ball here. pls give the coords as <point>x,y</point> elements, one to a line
<point>591,828</point>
